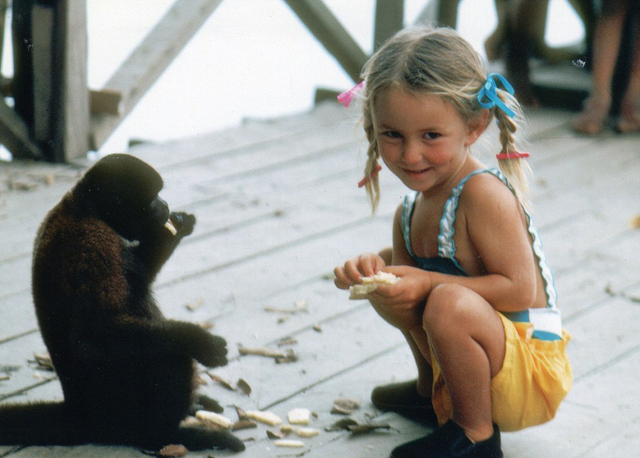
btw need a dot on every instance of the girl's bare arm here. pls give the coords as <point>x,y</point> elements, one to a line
<point>495,226</point>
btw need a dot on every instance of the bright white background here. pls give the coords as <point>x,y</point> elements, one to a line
<point>252,58</point>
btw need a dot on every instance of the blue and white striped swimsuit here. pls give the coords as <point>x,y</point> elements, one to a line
<point>547,323</point>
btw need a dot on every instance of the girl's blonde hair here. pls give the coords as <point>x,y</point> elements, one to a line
<point>440,62</point>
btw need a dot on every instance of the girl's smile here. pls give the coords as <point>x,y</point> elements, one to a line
<point>421,138</point>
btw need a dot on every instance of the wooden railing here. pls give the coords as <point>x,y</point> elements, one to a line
<point>57,118</point>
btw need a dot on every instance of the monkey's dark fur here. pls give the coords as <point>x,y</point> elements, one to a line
<point>127,373</point>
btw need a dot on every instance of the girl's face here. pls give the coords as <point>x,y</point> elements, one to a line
<point>421,137</point>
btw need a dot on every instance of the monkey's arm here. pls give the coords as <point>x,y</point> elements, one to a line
<point>112,303</point>
<point>133,335</point>
<point>159,242</point>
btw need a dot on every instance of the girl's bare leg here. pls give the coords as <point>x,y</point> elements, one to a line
<point>467,338</point>
<point>411,399</point>
<point>425,373</point>
<point>606,47</point>
<point>630,115</point>
<point>494,43</point>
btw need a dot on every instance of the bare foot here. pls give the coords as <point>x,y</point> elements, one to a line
<point>594,115</point>
<point>629,120</point>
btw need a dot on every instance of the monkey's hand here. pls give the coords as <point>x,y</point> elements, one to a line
<point>211,351</point>
<point>206,348</point>
<point>183,222</point>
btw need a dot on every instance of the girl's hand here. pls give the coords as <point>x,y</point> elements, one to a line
<point>351,273</point>
<point>402,303</point>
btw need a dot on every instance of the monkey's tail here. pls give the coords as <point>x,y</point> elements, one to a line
<point>37,424</point>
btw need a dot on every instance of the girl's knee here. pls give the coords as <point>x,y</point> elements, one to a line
<point>445,304</point>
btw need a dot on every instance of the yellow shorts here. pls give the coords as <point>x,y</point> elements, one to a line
<point>535,377</point>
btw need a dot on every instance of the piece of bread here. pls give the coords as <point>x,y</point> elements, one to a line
<point>170,227</point>
<point>370,284</point>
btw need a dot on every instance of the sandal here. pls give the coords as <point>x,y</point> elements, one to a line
<point>403,398</point>
<point>450,441</point>
<point>629,120</point>
<point>593,118</point>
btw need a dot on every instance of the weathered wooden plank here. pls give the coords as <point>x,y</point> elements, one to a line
<point>14,362</point>
<point>16,273</point>
<point>590,283</point>
<point>572,414</point>
<point>614,322</point>
<point>18,315</point>
<point>607,399</point>
<point>355,383</point>
<point>626,442</point>
<point>334,37</point>
<point>516,440</point>
<point>342,344</point>
<point>259,372</point>
<point>145,65</point>
<point>82,451</point>
<point>252,133</point>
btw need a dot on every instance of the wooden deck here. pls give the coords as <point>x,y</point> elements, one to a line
<point>278,207</point>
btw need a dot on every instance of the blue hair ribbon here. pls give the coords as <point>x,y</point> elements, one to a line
<point>489,91</point>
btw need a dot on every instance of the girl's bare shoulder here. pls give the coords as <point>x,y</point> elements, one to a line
<point>486,193</point>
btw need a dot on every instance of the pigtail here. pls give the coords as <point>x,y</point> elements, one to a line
<point>512,162</point>
<point>371,182</point>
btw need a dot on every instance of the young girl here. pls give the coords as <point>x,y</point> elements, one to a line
<point>475,299</point>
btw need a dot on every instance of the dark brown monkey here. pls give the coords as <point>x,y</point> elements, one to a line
<point>127,373</point>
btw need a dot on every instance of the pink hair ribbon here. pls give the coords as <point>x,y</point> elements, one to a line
<point>368,178</point>
<point>512,155</point>
<point>347,96</point>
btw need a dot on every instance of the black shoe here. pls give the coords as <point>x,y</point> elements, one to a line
<point>450,441</point>
<point>403,398</point>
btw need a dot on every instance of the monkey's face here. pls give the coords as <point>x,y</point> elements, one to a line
<point>123,191</point>
<point>160,214</point>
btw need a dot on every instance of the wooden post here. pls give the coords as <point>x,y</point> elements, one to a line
<point>389,19</point>
<point>43,18</point>
<point>439,13</point>
<point>50,78</point>
<point>70,115</point>
<point>22,86</point>
<point>3,14</point>
<point>333,36</point>
<point>448,13</point>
